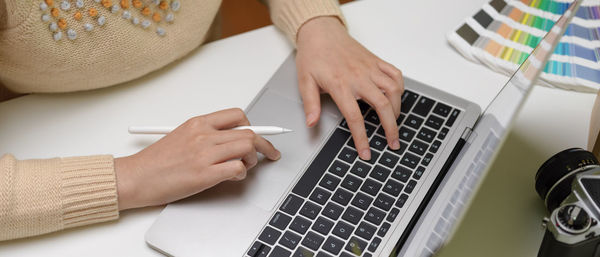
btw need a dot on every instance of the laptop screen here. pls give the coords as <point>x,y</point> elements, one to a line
<point>447,208</point>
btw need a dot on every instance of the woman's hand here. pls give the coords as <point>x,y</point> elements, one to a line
<point>331,61</point>
<point>197,155</point>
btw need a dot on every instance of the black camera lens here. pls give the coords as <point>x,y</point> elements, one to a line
<point>553,179</point>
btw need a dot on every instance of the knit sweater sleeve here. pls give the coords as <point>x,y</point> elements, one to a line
<point>42,196</point>
<point>290,15</point>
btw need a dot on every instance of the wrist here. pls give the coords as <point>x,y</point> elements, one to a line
<point>314,27</point>
<point>125,185</point>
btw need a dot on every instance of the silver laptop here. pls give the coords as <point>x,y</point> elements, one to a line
<point>320,199</point>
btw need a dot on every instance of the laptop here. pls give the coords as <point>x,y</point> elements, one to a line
<point>321,200</point>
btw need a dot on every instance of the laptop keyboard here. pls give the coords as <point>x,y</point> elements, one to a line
<point>344,206</point>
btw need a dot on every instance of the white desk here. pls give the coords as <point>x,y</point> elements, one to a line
<point>409,34</point>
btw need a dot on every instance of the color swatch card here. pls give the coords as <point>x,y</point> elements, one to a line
<point>504,32</point>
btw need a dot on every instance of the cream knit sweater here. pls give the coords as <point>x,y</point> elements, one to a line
<point>72,45</point>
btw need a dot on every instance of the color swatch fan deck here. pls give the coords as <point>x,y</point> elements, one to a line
<point>504,32</point>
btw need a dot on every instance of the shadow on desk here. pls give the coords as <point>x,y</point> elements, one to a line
<point>506,214</point>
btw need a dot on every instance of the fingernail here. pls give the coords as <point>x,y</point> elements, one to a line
<point>310,119</point>
<point>366,154</point>
<point>395,145</point>
<point>277,155</point>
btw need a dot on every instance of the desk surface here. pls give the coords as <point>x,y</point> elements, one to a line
<point>504,219</point>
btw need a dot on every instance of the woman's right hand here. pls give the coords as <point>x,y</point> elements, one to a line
<point>197,155</point>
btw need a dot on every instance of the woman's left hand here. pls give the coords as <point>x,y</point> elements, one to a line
<point>330,61</point>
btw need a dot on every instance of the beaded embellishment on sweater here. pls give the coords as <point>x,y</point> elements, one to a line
<point>70,18</point>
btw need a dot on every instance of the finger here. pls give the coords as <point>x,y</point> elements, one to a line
<point>393,73</point>
<point>348,106</point>
<point>311,99</point>
<point>227,119</point>
<point>384,110</point>
<point>266,148</point>
<point>249,159</point>
<point>392,91</point>
<point>232,150</point>
<point>229,170</point>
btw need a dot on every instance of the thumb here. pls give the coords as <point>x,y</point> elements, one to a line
<point>311,99</point>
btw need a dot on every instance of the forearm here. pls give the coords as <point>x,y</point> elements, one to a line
<point>290,15</point>
<point>42,196</point>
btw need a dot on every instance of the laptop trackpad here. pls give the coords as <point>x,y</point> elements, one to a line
<point>268,181</point>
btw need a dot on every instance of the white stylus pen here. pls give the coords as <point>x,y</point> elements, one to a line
<point>260,130</point>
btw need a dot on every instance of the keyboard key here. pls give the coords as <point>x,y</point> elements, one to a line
<point>269,235</point>
<point>410,160</point>
<point>410,186</point>
<point>369,129</point>
<point>351,183</point>
<point>346,254</point>
<point>280,220</point>
<point>374,244</point>
<point>290,240</point>
<point>322,225</point>
<point>320,196</point>
<point>256,247</point>
<point>312,240</point>
<point>434,122</point>
<point>378,142</point>
<point>360,169</point>
<point>364,107</point>
<point>332,211</point>
<point>263,251</point>
<point>313,174</point>
<point>310,210</point>
<point>413,121</point>
<point>343,230</point>
<point>356,246</point>
<point>348,155</point>
<point>380,173</point>
<point>401,200</point>
<point>406,134</point>
<point>435,146</point>
<point>323,254</point>
<point>423,106</point>
<point>280,252</point>
<point>292,204</point>
<point>300,225</point>
<point>371,187</point>
<point>339,168</point>
<point>362,201</point>
<point>365,230</point>
<point>393,215</point>
<point>330,182</point>
<point>384,202</point>
<point>401,150</point>
<point>303,252</point>
<point>419,172</point>
<point>393,188</point>
<point>401,173</point>
<point>333,245</point>
<point>442,109</point>
<point>418,147</point>
<point>452,117</point>
<point>389,160</point>
<point>443,133</point>
<point>352,215</point>
<point>408,100</point>
<point>427,159</point>
<point>374,157</point>
<point>374,216</point>
<point>380,131</point>
<point>383,229</point>
<point>372,117</point>
<point>426,135</point>
<point>400,119</point>
<point>344,124</point>
<point>341,196</point>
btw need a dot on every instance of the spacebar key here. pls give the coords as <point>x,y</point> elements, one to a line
<point>319,165</point>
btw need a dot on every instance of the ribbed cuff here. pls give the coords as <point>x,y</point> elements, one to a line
<point>293,14</point>
<point>89,190</point>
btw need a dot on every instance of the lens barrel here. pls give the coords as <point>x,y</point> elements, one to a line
<point>554,178</point>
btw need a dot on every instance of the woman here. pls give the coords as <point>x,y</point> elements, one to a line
<point>71,45</point>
